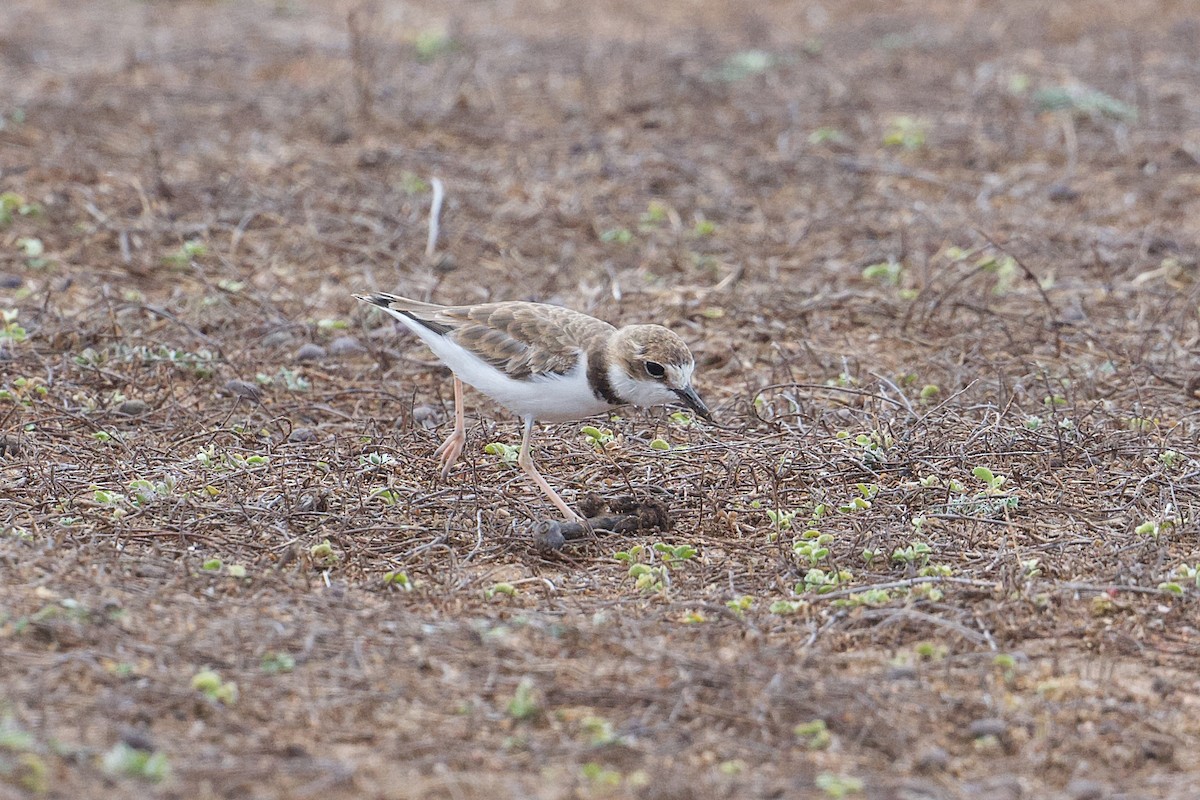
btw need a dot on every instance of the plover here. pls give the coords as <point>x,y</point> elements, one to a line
<point>544,362</point>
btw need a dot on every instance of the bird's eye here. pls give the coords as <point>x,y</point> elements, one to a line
<point>655,369</point>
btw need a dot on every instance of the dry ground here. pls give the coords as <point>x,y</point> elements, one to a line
<point>908,240</point>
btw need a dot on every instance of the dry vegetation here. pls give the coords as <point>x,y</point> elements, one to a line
<point>938,262</point>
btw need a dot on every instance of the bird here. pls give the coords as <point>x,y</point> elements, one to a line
<point>546,362</point>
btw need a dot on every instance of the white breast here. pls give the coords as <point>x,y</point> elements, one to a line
<point>551,398</point>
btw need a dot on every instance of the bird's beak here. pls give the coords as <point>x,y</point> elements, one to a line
<point>692,400</point>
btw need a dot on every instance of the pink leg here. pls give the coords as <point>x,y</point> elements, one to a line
<point>525,461</point>
<point>452,448</point>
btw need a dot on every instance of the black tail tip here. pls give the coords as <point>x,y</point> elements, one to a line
<point>375,299</point>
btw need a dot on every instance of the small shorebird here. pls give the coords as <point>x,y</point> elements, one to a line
<point>546,362</point>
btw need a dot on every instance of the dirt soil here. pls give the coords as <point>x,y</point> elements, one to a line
<point>937,262</point>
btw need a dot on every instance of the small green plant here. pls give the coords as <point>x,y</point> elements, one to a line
<point>812,546</point>
<point>682,418</point>
<point>866,492</point>
<point>524,703</point>
<point>822,581</point>
<point>34,250</point>
<point>211,565</point>
<point>887,272</point>
<point>740,605</point>
<point>13,205</point>
<point>599,731</point>
<point>209,683</point>
<point>385,495</point>
<point>432,44</point>
<point>144,492</point>
<point>906,132</point>
<point>868,598</point>
<point>413,184</point>
<point>617,235</point>
<point>661,445</point>
<point>11,331</point>
<point>375,460</point>
<point>704,228</point>
<point>838,786</point>
<point>1081,101</point>
<point>828,136</point>
<point>274,662</point>
<point>600,775</point>
<point>780,520</point>
<point>1004,268</point>
<point>124,760</point>
<point>915,554</point>
<point>399,580</point>
<point>930,651</point>
<point>651,577</point>
<point>992,483</point>
<point>328,325</point>
<point>1154,528</point>
<point>815,734</point>
<point>742,65</point>
<point>189,250</point>
<point>597,438</point>
<point>655,215</point>
<point>505,452</point>
<point>502,588</point>
<point>787,607</point>
<point>323,554</point>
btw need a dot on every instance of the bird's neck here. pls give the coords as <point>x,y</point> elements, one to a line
<point>599,375</point>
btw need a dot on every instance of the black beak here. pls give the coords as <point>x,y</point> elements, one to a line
<point>692,400</point>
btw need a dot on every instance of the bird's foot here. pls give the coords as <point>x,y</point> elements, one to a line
<point>450,450</point>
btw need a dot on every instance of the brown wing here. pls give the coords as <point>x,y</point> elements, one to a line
<point>522,339</point>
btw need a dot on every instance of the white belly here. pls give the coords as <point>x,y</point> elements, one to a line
<point>551,398</point>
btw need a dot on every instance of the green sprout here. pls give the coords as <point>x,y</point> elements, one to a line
<point>323,554</point>
<point>617,235</point>
<point>596,437</point>
<point>524,703</point>
<point>133,762</point>
<point>10,330</point>
<point>815,734</point>
<point>399,580</point>
<point>906,132</point>
<point>887,272</point>
<point>838,786</point>
<point>277,663</point>
<point>505,452</point>
<point>189,250</point>
<point>209,683</point>
<point>502,588</point>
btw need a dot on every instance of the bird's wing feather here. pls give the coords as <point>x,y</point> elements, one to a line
<point>522,339</point>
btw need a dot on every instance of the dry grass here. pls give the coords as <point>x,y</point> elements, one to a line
<point>190,392</point>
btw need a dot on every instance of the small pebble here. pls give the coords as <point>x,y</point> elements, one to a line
<point>426,416</point>
<point>988,726</point>
<point>9,446</point>
<point>1061,193</point>
<point>10,281</point>
<point>932,759</point>
<point>133,408</point>
<point>345,345</point>
<point>312,502</point>
<point>547,535</point>
<point>1084,789</point>
<point>302,435</point>
<point>240,388</point>
<point>279,338</point>
<point>310,352</point>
